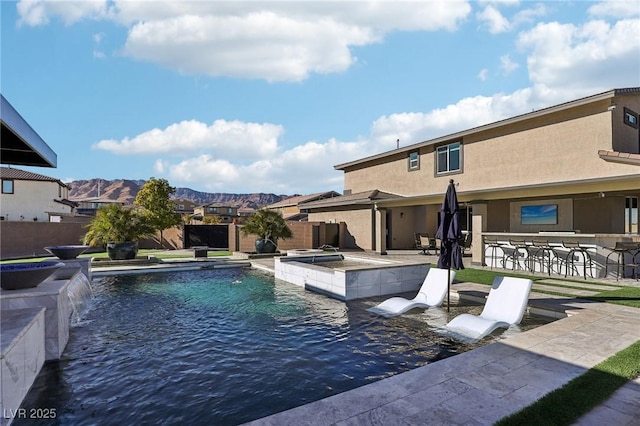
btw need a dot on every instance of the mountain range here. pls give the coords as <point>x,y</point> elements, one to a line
<point>125,190</point>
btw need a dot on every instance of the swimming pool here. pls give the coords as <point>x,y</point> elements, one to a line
<point>223,347</point>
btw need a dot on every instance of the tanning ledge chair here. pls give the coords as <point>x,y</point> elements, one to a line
<point>505,306</point>
<point>432,293</point>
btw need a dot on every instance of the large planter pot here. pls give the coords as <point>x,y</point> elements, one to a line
<point>122,251</point>
<point>265,246</point>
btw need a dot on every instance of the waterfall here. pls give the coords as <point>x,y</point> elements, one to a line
<point>80,294</point>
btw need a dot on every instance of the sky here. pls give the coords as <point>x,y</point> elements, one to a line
<point>268,96</point>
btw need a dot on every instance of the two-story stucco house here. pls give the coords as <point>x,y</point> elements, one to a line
<point>224,213</point>
<point>32,196</point>
<point>581,159</point>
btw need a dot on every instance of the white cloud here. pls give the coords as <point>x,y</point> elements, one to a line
<point>616,9</point>
<point>493,20</point>
<point>260,45</point>
<point>39,12</point>
<point>233,139</point>
<point>572,61</point>
<point>529,15</point>
<point>292,171</point>
<point>467,113</point>
<point>483,74</point>
<point>276,41</point>
<point>507,65</point>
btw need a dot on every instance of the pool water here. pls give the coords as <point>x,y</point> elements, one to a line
<point>224,347</point>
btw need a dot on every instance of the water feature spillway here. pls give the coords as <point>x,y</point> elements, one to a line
<point>80,294</point>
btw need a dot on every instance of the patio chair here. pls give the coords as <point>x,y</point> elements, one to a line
<point>465,244</point>
<point>432,293</point>
<point>505,306</point>
<point>426,244</point>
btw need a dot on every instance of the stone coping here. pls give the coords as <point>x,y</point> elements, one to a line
<point>49,287</point>
<point>14,323</point>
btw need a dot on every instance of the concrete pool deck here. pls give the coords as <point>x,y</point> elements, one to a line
<point>484,385</point>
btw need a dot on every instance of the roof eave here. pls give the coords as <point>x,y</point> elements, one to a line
<point>31,143</point>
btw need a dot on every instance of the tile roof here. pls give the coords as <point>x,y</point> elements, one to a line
<point>366,197</point>
<point>17,174</point>
<point>299,199</point>
<point>619,157</point>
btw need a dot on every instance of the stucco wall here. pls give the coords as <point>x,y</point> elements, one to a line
<point>626,138</point>
<point>358,229</point>
<point>23,239</point>
<point>312,234</point>
<point>536,152</point>
<point>18,239</point>
<point>32,199</point>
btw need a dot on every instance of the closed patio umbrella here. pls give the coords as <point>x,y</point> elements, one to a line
<point>449,233</point>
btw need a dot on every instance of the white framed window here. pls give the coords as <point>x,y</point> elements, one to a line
<point>449,158</point>
<point>7,186</point>
<point>414,161</point>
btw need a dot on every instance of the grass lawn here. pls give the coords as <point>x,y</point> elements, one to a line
<point>629,296</point>
<point>567,404</point>
<point>159,253</point>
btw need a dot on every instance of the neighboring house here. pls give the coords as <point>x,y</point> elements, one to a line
<point>292,208</point>
<point>579,159</point>
<point>224,213</point>
<point>89,206</point>
<point>33,197</point>
<point>184,206</point>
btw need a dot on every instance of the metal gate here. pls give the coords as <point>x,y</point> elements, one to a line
<point>212,236</point>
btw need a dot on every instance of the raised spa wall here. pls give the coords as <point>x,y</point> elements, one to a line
<point>356,280</point>
<point>34,328</point>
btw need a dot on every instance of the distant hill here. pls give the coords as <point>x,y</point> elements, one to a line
<point>124,190</point>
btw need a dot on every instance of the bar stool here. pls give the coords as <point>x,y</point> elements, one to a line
<point>577,255</point>
<point>520,250</point>
<point>540,251</point>
<point>492,245</point>
<point>635,263</point>
<point>621,249</point>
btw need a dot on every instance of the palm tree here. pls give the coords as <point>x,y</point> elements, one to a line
<point>115,224</point>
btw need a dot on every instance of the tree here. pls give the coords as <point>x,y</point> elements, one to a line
<point>155,198</point>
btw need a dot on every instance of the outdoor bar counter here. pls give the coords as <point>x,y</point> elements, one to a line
<point>570,253</point>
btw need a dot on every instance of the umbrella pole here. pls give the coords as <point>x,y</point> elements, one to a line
<point>448,289</point>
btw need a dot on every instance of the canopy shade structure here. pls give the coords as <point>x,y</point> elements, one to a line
<point>20,144</point>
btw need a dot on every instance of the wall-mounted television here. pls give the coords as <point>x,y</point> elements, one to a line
<point>539,214</point>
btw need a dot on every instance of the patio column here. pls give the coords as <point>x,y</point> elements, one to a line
<point>479,225</point>
<point>380,230</point>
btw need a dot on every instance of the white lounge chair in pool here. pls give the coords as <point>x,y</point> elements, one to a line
<point>505,306</point>
<point>432,293</point>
